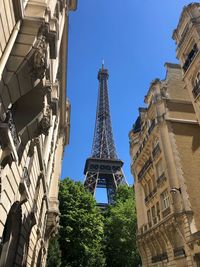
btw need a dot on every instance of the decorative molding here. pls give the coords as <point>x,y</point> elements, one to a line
<point>40,55</point>
<point>45,122</point>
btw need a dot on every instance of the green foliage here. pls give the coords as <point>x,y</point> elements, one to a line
<point>120,230</point>
<point>81,231</point>
<point>54,253</point>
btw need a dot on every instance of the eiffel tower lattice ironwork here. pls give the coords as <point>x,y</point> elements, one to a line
<point>103,169</point>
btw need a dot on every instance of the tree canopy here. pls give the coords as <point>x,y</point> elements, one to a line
<point>54,253</point>
<point>120,230</point>
<point>81,231</point>
<point>89,237</point>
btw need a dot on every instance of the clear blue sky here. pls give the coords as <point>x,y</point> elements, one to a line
<point>134,39</point>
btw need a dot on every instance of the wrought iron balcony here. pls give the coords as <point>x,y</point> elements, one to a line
<point>154,191</point>
<point>179,252</point>
<point>144,169</point>
<point>153,124</point>
<point>12,128</point>
<point>25,183</point>
<point>161,178</point>
<point>8,135</point>
<point>145,227</point>
<point>196,89</point>
<point>166,212</point>
<point>150,129</point>
<point>146,199</point>
<point>156,151</point>
<point>190,57</point>
<point>154,220</point>
<point>160,257</point>
<point>26,177</point>
<point>151,194</point>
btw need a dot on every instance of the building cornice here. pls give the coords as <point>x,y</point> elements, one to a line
<point>181,120</point>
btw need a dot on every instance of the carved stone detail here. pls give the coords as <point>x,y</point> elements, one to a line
<point>40,55</point>
<point>40,61</point>
<point>45,122</point>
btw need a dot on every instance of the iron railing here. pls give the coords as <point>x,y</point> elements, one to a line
<point>144,169</point>
<point>150,195</point>
<point>151,127</point>
<point>12,128</point>
<point>156,151</point>
<point>26,177</point>
<point>161,178</point>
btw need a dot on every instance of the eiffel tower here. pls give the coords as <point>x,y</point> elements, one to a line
<point>103,169</point>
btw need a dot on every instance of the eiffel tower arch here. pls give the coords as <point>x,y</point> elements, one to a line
<point>103,169</point>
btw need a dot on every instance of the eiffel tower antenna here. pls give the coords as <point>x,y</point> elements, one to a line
<point>103,169</point>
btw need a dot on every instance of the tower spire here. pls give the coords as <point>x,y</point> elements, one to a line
<point>102,64</point>
<point>103,169</point>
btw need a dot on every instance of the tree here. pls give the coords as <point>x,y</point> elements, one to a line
<point>81,231</point>
<point>120,230</point>
<point>54,253</point>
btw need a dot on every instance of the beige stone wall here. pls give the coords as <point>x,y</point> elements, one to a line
<point>181,111</point>
<point>34,126</point>
<point>7,23</point>
<point>186,36</point>
<point>188,145</point>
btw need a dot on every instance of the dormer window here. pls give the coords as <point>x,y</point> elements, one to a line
<point>190,57</point>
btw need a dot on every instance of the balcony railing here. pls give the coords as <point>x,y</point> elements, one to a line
<point>150,195</point>
<point>144,169</point>
<point>190,57</point>
<point>12,128</point>
<point>26,177</point>
<point>160,257</point>
<point>150,129</point>
<point>25,183</point>
<point>156,151</point>
<point>161,178</point>
<point>196,89</point>
<point>153,124</point>
<point>166,212</point>
<point>179,252</point>
<point>154,220</point>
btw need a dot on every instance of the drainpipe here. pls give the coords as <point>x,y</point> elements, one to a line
<point>9,47</point>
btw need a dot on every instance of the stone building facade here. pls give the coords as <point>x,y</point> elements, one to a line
<point>34,125</point>
<point>165,152</point>
<point>187,37</point>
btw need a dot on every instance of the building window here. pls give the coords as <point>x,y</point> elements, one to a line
<point>145,190</point>
<point>159,168</point>
<point>156,148</point>
<point>158,211</point>
<point>150,186</point>
<point>165,200</point>
<point>196,86</point>
<point>149,217</point>
<point>190,57</point>
<point>153,213</point>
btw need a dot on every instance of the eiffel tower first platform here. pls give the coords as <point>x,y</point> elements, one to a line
<point>103,169</point>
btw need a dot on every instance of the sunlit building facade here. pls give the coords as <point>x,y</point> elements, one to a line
<point>34,125</point>
<point>187,37</point>
<point>165,153</point>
